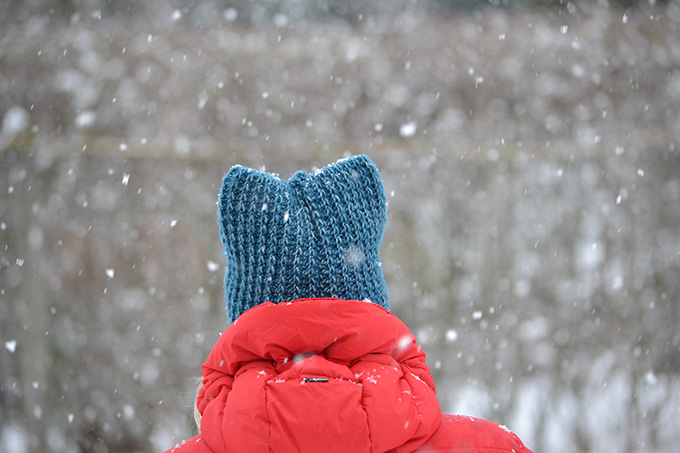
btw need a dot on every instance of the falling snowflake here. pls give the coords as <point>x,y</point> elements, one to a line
<point>11,346</point>
<point>408,129</point>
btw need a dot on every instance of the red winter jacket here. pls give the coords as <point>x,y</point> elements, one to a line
<point>318,375</point>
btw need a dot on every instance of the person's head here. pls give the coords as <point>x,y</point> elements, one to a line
<point>314,235</point>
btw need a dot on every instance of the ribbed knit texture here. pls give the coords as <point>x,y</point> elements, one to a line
<point>314,235</point>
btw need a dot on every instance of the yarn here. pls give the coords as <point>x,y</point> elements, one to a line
<point>314,235</point>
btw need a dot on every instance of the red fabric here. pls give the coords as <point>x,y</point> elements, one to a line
<point>464,434</point>
<point>327,375</point>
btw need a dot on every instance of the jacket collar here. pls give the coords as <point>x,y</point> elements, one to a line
<point>340,330</point>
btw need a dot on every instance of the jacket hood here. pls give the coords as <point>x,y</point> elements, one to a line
<point>317,375</point>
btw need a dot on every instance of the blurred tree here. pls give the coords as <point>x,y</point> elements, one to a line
<point>264,12</point>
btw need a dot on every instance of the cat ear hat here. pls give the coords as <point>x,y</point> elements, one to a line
<point>312,236</point>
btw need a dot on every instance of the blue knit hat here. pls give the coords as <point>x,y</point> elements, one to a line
<point>314,235</point>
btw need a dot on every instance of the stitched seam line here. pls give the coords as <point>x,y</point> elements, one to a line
<point>269,422</point>
<point>368,426</point>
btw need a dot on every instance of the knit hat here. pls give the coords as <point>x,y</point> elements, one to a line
<point>314,235</point>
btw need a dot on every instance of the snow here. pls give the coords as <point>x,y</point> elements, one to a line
<point>404,342</point>
<point>530,157</point>
<point>451,335</point>
<point>13,438</point>
<point>650,378</point>
<point>11,346</point>
<point>230,14</point>
<point>86,119</point>
<point>408,129</point>
<point>15,120</point>
<point>280,20</point>
<point>354,256</point>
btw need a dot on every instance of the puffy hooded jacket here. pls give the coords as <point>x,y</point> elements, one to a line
<point>319,375</point>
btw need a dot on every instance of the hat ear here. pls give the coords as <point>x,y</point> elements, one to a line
<point>245,193</point>
<point>348,212</point>
<point>359,168</point>
<point>252,211</point>
<point>356,184</point>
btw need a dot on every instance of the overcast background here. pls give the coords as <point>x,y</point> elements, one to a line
<point>530,154</point>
